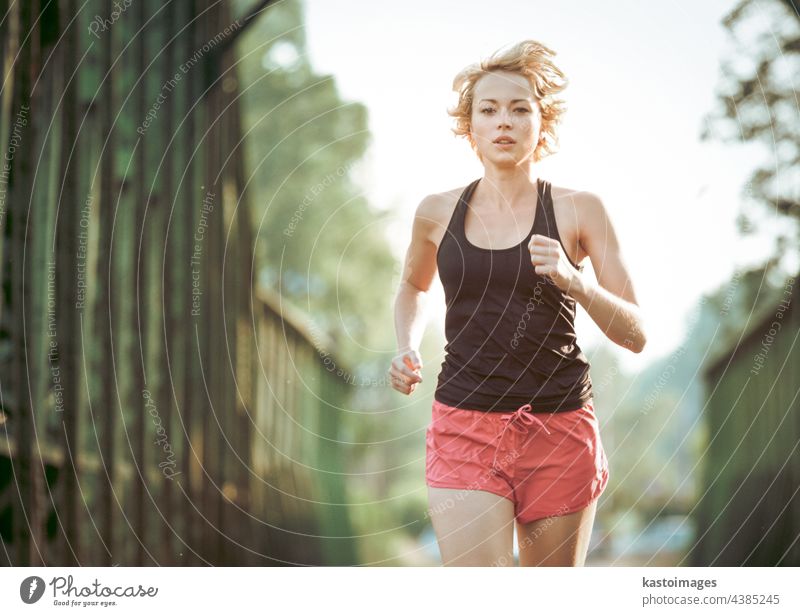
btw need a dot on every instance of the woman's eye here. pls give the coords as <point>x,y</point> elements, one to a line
<point>489,109</point>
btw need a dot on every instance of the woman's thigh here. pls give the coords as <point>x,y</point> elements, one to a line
<point>473,527</point>
<point>560,541</point>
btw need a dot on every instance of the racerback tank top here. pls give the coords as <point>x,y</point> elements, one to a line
<point>510,331</point>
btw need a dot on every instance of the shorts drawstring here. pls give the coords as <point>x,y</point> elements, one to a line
<point>513,420</point>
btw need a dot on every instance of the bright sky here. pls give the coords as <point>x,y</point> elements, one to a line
<point>642,76</point>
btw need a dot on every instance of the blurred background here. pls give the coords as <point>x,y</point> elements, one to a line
<point>204,210</point>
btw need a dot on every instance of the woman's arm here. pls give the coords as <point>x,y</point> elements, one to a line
<point>611,302</point>
<point>410,307</point>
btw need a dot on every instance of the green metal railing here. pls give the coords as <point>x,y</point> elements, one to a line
<point>749,508</point>
<point>155,406</point>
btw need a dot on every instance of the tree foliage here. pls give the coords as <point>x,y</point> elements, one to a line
<point>758,102</point>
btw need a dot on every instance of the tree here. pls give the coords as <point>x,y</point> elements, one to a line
<point>759,103</point>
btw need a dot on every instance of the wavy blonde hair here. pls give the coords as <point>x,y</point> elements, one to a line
<point>532,60</point>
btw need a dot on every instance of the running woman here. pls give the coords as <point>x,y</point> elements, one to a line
<point>513,436</point>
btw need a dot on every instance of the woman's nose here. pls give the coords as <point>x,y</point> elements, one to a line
<point>503,119</point>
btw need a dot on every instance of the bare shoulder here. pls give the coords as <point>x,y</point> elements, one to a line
<point>434,212</point>
<point>438,206</point>
<point>578,198</point>
<point>578,207</point>
<point>580,215</point>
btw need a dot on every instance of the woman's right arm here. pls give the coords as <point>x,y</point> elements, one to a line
<point>410,307</point>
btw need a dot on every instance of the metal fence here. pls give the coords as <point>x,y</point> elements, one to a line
<point>155,407</point>
<point>749,507</point>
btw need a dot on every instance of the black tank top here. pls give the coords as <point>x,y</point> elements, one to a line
<point>510,331</point>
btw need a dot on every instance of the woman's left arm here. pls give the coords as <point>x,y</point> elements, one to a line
<point>611,302</point>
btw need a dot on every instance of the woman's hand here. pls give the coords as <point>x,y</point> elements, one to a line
<point>549,260</point>
<point>405,371</point>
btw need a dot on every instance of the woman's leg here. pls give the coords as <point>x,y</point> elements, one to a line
<point>473,527</point>
<point>560,541</point>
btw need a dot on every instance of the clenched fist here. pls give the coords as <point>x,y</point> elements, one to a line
<point>549,260</point>
<point>405,371</point>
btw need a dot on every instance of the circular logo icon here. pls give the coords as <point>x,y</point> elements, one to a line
<point>31,589</point>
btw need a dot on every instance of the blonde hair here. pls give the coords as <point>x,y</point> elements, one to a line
<point>530,59</point>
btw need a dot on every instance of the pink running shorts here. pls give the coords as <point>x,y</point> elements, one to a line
<point>547,464</point>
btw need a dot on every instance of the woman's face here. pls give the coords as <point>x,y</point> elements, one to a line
<point>503,105</point>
